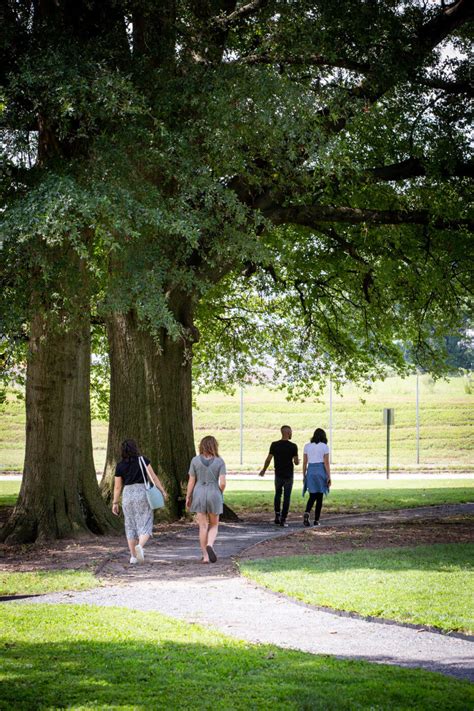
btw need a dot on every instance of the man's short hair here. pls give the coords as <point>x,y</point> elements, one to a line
<point>285,427</point>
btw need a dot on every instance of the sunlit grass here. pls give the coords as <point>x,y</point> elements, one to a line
<point>446,418</point>
<point>80,657</point>
<point>37,582</point>
<point>427,585</point>
<point>347,496</point>
<point>353,496</point>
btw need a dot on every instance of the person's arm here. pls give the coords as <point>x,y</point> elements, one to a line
<point>305,464</point>
<point>118,486</point>
<point>296,459</point>
<point>328,468</point>
<point>266,465</point>
<point>190,489</point>
<point>222,482</point>
<point>156,481</point>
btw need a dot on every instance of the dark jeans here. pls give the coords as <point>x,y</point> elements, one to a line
<point>319,504</point>
<point>285,486</point>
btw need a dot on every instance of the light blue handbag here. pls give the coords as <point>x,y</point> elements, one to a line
<point>154,495</point>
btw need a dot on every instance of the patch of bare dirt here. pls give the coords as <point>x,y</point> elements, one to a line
<point>334,539</point>
<point>87,552</point>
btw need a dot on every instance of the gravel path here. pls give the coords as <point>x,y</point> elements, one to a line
<point>243,610</point>
<point>173,583</point>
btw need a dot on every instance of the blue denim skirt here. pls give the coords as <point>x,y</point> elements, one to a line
<point>316,479</point>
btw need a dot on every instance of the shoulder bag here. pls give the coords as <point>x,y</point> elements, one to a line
<point>154,495</point>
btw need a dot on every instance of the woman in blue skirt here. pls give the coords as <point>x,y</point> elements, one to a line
<point>316,473</point>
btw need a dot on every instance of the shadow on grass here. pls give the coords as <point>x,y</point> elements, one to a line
<point>440,557</point>
<point>226,675</point>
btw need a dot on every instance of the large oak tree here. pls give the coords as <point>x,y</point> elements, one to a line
<point>277,183</point>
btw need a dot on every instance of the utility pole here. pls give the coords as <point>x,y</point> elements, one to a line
<point>330,421</point>
<point>389,419</point>
<point>417,418</point>
<point>241,425</point>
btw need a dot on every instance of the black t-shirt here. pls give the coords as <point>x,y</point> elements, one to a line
<point>283,452</point>
<point>130,471</point>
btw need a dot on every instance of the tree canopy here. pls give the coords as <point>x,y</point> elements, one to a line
<point>263,183</point>
<point>298,168</point>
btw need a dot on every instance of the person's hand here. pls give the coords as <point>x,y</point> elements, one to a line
<point>329,481</point>
<point>261,473</point>
<point>188,502</point>
<point>165,495</point>
<point>116,509</point>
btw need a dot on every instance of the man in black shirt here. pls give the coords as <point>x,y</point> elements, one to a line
<point>285,454</point>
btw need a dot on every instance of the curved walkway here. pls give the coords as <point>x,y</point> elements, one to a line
<point>214,595</point>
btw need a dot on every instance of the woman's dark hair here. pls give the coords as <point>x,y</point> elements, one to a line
<point>319,435</point>
<point>129,449</point>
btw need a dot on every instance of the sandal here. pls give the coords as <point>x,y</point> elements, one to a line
<point>211,554</point>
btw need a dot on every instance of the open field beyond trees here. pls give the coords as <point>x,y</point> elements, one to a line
<point>359,437</point>
<point>347,496</point>
<point>426,585</point>
<point>79,656</point>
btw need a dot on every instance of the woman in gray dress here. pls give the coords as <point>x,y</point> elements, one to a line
<point>204,494</point>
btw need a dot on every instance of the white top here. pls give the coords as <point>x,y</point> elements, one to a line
<point>315,452</point>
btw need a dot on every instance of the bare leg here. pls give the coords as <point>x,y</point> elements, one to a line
<point>203,529</point>
<point>213,529</point>
<point>132,542</point>
<point>143,539</point>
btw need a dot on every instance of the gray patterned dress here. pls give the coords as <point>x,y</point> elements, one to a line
<point>207,497</point>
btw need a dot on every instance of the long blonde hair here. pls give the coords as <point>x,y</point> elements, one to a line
<point>209,445</point>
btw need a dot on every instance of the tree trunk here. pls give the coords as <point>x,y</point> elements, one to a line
<point>151,402</point>
<point>59,495</point>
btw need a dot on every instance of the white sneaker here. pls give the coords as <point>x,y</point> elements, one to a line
<point>133,560</point>
<point>140,553</point>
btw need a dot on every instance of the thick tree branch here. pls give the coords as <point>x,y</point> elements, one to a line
<point>313,215</point>
<point>313,60</point>
<point>416,167</point>
<point>225,21</point>
<point>439,27</point>
<point>451,87</point>
<point>431,34</point>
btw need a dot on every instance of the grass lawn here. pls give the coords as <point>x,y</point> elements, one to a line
<point>353,496</point>
<point>84,657</point>
<point>427,585</point>
<point>9,492</point>
<point>345,497</point>
<point>446,425</point>
<point>45,582</point>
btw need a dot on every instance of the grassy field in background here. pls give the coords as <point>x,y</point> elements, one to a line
<point>425,585</point>
<point>9,492</point>
<point>346,496</point>
<point>80,657</point>
<point>353,496</point>
<point>446,425</point>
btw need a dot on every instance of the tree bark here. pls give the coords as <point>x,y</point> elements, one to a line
<point>151,402</point>
<point>59,496</point>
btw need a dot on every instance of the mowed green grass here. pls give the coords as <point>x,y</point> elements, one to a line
<point>426,585</point>
<point>359,437</point>
<point>38,582</point>
<point>9,492</point>
<point>347,496</point>
<point>80,657</point>
<point>353,496</point>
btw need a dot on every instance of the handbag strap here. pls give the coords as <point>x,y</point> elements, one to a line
<point>142,465</point>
